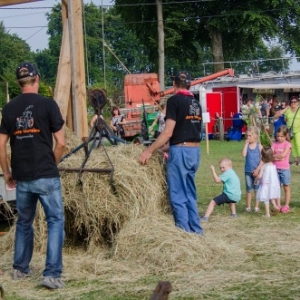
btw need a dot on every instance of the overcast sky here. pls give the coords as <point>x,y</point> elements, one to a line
<point>29,20</point>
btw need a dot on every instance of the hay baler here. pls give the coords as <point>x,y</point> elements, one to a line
<point>142,98</point>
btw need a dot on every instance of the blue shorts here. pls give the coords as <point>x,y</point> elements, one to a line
<point>284,176</point>
<point>250,186</point>
<point>223,198</point>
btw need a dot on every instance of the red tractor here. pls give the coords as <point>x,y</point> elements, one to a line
<point>142,98</point>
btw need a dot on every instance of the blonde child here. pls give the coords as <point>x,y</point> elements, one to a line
<point>282,150</point>
<point>252,154</point>
<point>231,188</point>
<point>269,187</point>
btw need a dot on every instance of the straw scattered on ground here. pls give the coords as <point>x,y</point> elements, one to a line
<point>120,243</point>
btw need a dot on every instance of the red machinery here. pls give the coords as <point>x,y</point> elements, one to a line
<point>139,88</point>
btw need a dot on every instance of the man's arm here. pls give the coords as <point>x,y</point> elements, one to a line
<point>60,145</point>
<point>162,139</point>
<point>280,112</point>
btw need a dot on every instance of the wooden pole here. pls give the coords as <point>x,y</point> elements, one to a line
<point>77,68</point>
<point>63,78</point>
<point>206,138</point>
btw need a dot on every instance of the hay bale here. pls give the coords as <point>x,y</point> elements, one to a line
<point>94,212</point>
<point>97,212</point>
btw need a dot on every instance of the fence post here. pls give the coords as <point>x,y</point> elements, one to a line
<point>221,129</point>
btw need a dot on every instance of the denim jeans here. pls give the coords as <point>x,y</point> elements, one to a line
<point>183,163</point>
<point>48,191</point>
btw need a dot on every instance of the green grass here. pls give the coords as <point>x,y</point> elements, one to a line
<point>264,264</point>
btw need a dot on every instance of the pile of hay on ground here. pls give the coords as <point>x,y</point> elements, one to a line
<point>97,209</point>
<point>155,243</point>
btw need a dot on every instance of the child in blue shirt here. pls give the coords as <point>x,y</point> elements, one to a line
<point>231,188</point>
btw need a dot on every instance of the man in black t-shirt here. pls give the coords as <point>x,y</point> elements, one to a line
<point>182,130</point>
<point>30,122</point>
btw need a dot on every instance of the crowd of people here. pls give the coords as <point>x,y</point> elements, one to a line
<point>31,122</point>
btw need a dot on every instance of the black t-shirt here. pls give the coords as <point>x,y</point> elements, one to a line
<point>30,120</point>
<point>187,112</point>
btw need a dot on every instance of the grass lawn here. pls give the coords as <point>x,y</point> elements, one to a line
<point>249,257</point>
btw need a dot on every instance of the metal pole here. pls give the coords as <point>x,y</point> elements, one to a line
<point>7,95</point>
<point>103,48</point>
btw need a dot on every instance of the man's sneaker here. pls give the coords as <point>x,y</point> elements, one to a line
<point>233,215</point>
<point>248,209</point>
<point>20,275</point>
<point>285,209</point>
<point>53,283</point>
<point>204,219</point>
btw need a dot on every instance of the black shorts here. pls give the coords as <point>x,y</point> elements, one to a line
<point>223,198</point>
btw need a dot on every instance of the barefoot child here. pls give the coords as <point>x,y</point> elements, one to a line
<point>269,187</point>
<point>282,150</point>
<point>251,153</point>
<point>231,188</point>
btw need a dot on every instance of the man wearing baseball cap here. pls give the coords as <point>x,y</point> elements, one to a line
<point>29,122</point>
<point>182,129</point>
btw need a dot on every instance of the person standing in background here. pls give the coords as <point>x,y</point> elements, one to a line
<point>251,153</point>
<point>30,122</point>
<point>292,118</point>
<point>183,128</point>
<point>160,119</point>
<point>282,150</point>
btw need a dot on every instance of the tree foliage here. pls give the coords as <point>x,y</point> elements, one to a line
<point>13,51</point>
<point>239,25</point>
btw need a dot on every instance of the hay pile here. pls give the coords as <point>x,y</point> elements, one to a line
<point>129,225</point>
<point>96,211</point>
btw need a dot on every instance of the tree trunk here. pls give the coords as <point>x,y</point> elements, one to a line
<point>217,49</point>
<point>161,45</point>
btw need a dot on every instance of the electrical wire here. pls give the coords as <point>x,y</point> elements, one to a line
<point>33,34</point>
<point>120,5</point>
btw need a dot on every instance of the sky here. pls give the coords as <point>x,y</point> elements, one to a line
<point>29,20</point>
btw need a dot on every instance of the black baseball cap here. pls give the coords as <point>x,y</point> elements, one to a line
<point>183,76</point>
<point>26,69</point>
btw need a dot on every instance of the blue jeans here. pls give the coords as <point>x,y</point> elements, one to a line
<point>48,191</point>
<point>182,165</point>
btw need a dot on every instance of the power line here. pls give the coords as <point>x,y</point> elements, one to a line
<point>186,18</point>
<point>22,15</point>
<point>25,27</point>
<point>33,34</point>
<point>118,5</point>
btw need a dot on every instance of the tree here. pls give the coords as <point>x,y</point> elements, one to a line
<point>13,51</point>
<point>121,47</point>
<point>229,28</point>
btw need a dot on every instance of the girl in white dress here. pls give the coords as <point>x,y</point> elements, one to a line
<point>269,186</point>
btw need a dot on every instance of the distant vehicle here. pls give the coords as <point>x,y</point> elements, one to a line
<point>142,98</point>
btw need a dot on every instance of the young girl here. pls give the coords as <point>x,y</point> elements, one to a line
<point>269,187</point>
<point>282,150</point>
<point>251,152</point>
